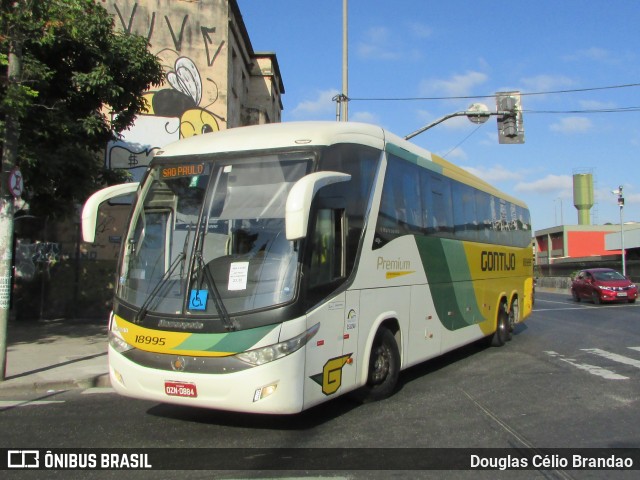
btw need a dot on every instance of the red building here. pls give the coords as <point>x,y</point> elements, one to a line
<point>574,243</point>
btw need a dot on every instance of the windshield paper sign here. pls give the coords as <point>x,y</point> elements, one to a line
<point>238,276</point>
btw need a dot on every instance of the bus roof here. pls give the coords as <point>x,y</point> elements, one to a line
<point>277,135</point>
<point>301,134</point>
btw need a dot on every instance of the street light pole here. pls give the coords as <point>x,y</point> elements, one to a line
<point>510,126</point>
<point>477,113</point>
<point>342,99</point>
<point>621,205</point>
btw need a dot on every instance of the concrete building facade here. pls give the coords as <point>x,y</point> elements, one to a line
<point>213,78</point>
<point>572,243</point>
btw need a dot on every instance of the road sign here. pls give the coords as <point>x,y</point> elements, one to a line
<point>15,182</point>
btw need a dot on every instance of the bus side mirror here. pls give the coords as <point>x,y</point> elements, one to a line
<point>300,197</point>
<point>91,206</point>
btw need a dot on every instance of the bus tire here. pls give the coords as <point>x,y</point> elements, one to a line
<point>384,367</point>
<point>502,333</point>
<point>514,315</point>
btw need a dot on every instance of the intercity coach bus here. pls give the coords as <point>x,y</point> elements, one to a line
<point>271,268</point>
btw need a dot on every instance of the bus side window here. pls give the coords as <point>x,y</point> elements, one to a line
<point>147,248</point>
<point>438,205</point>
<point>327,253</point>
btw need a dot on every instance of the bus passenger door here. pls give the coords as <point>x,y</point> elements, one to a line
<point>326,361</point>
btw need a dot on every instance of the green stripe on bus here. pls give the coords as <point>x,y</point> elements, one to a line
<point>449,277</point>
<point>232,342</point>
<point>412,157</point>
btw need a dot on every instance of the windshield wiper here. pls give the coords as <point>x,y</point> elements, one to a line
<point>180,259</point>
<point>145,306</point>
<point>217,298</point>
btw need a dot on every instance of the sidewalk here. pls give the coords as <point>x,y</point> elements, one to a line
<point>55,354</point>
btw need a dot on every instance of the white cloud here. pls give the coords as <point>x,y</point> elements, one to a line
<point>571,125</point>
<point>457,154</point>
<point>490,139</point>
<point>558,184</point>
<point>633,198</point>
<point>381,43</point>
<point>494,174</point>
<point>378,45</point>
<point>456,85</point>
<point>365,117</point>
<point>320,107</point>
<point>596,105</point>
<point>592,54</point>
<point>424,115</point>
<point>419,30</point>
<point>545,83</point>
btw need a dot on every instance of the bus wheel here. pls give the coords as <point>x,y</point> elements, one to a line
<point>514,314</point>
<point>384,367</point>
<point>502,333</point>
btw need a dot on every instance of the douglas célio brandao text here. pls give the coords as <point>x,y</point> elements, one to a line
<point>538,461</point>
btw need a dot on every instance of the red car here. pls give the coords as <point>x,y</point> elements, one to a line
<point>603,285</point>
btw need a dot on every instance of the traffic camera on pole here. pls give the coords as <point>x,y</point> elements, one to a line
<point>510,123</point>
<point>508,111</point>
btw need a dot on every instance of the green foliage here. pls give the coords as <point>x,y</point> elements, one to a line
<point>81,84</point>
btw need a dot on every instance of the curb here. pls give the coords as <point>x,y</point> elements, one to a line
<point>98,381</point>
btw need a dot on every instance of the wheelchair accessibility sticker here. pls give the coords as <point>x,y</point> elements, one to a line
<point>198,300</point>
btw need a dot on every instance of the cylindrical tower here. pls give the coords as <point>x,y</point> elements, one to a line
<point>583,196</point>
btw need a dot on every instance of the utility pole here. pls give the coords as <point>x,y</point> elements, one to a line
<point>344,114</point>
<point>9,157</point>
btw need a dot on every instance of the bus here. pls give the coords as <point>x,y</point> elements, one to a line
<point>271,268</point>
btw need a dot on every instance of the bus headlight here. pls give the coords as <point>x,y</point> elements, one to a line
<point>263,355</point>
<point>118,344</point>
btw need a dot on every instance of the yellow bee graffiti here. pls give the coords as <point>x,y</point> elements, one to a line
<point>182,100</point>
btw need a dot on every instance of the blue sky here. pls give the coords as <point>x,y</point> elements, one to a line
<point>454,48</point>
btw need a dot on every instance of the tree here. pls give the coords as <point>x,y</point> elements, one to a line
<point>81,84</point>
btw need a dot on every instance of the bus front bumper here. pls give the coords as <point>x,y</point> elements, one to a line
<point>275,387</point>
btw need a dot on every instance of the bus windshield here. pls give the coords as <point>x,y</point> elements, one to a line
<point>208,237</point>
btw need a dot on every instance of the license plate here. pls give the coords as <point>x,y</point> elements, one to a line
<point>180,389</point>
<point>622,294</point>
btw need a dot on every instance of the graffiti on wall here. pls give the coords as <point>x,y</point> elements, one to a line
<point>183,106</point>
<point>182,101</point>
<point>29,256</point>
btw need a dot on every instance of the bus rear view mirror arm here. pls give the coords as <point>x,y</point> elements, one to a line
<point>300,197</point>
<point>91,206</point>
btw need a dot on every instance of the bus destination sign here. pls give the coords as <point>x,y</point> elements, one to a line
<point>176,171</point>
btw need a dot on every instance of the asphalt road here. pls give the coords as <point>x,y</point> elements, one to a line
<point>570,378</point>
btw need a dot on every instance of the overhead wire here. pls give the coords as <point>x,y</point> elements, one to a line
<point>522,94</point>
<point>592,110</point>
<point>468,97</point>
<point>463,140</point>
